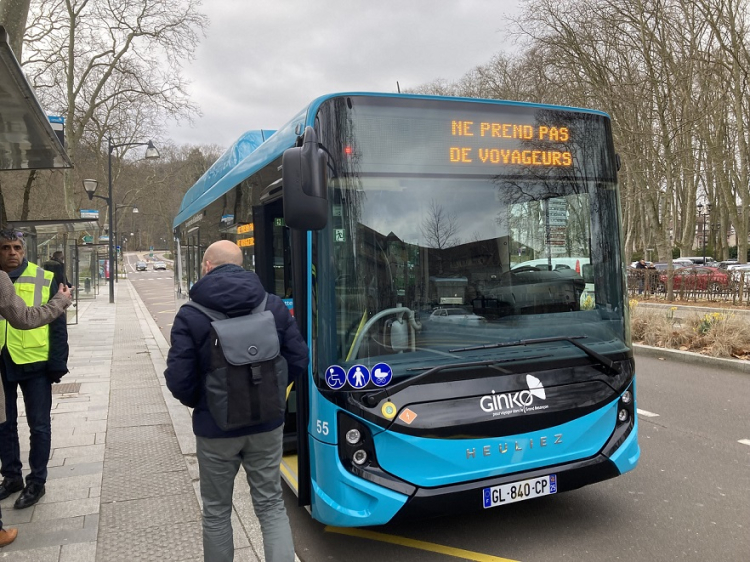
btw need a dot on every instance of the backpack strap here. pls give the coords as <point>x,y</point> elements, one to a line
<point>216,315</point>
<point>262,306</point>
<point>210,312</point>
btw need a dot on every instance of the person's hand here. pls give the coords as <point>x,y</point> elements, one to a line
<point>65,292</point>
<point>55,377</point>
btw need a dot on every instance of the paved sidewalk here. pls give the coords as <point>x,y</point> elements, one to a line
<point>123,478</point>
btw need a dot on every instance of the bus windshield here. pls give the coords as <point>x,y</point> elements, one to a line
<point>458,225</point>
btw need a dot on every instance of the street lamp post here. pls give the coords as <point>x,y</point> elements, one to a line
<point>90,187</point>
<point>704,214</point>
<point>117,234</point>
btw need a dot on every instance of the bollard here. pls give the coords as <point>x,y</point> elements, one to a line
<point>87,284</point>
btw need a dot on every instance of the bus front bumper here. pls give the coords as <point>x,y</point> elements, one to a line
<point>342,499</point>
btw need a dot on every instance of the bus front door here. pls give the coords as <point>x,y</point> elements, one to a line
<point>280,262</point>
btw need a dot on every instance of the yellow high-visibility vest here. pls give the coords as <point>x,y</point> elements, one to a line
<point>29,346</point>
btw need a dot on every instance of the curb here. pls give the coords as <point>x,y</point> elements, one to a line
<point>697,309</point>
<point>693,358</point>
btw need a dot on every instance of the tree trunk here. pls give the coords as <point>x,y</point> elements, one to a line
<point>13,15</point>
<point>3,211</point>
<point>27,195</point>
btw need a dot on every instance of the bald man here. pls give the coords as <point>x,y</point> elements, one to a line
<point>228,288</point>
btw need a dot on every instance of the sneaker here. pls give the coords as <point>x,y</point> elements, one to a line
<point>10,486</point>
<point>31,494</point>
<point>7,536</point>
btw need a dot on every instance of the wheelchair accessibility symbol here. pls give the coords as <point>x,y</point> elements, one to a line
<point>335,377</point>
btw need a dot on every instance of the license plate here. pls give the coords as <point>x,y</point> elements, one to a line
<point>519,491</point>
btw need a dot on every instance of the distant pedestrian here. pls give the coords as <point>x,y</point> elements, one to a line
<point>56,264</point>
<point>642,266</point>
<point>33,368</point>
<point>23,317</point>
<point>228,288</point>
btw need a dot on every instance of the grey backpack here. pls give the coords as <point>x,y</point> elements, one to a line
<point>246,383</point>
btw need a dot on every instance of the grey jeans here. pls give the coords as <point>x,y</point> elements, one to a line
<point>260,456</point>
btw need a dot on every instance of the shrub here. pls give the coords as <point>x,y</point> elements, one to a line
<point>719,334</point>
<point>657,328</point>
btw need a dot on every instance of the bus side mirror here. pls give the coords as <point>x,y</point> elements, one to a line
<point>305,184</point>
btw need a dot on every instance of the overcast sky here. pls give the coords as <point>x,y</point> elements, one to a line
<point>263,60</point>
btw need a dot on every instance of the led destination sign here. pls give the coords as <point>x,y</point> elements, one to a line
<point>538,135</point>
<point>386,137</point>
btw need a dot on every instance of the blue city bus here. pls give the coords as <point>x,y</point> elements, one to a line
<point>443,378</point>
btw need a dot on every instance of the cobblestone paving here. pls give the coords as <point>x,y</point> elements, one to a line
<point>148,506</point>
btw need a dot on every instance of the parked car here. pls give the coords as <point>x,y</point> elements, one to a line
<point>456,316</point>
<point>543,264</point>
<point>699,260</point>
<point>741,273</point>
<point>701,278</point>
<point>159,265</point>
<point>676,264</point>
<point>141,266</point>
<point>728,264</point>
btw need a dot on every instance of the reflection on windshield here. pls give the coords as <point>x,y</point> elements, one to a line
<point>424,265</point>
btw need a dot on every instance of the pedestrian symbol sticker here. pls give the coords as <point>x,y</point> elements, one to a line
<point>381,374</point>
<point>358,376</point>
<point>335,377</point>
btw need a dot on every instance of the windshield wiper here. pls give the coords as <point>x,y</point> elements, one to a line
<point>374,397</point>
<point>607,362</point>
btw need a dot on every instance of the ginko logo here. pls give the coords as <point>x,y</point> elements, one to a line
<point>515,402</point>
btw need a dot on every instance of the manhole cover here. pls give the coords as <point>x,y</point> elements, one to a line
<point>66,388</point>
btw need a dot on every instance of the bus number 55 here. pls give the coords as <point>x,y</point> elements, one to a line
<point>322,427</point>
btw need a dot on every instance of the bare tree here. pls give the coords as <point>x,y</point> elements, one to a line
<point>111,68</point>
<point>439,228</point>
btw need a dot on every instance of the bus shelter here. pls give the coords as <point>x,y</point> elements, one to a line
<point>82,262</point>
<point>27,140</point>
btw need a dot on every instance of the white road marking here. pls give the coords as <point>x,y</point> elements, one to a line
<point>744,441</point>
<point>647,413</point>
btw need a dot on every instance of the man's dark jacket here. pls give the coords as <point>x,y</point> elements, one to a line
<point>235,292</point>
<point>58,268</point>
<point>57,362</point>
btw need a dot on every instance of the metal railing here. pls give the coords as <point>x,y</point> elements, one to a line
<point>723,286</point>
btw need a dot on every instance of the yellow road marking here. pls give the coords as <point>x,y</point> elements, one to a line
<point>289,470</point>
<point>421,545</point>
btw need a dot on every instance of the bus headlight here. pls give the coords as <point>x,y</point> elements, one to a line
<point>353,436</point>
<point>356,450</point>
<point>626,406</point>
<point>360,457</point>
